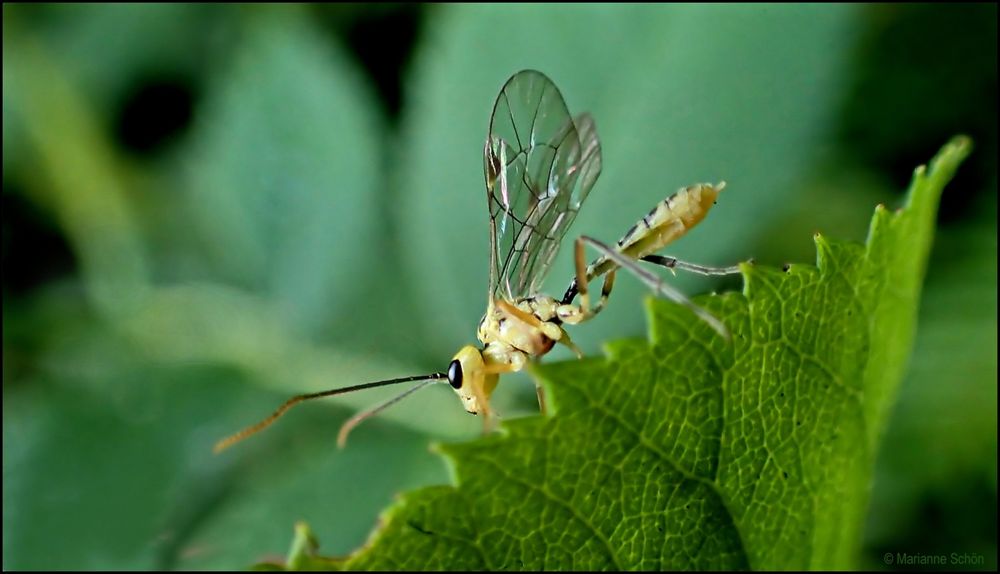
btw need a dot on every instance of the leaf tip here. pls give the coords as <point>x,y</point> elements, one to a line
<point>747,269</point>
<point>951,155</point>
<point>960,146</point>
<point>435,448</point>
<point>821,242</point>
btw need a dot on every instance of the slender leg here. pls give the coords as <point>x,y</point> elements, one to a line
<point>523,316</point>
<point>551,330</point>
<point>654,282</point>
<point>565,340</point>
<point>485,410</point>
<point>581,277</point>
<point>666,222</point>
<point>540,393</point>
<point>501,368</point>
<point>672,263</point>
<point>504,368</point>
<point>609,283</point>
<point>580,285</point>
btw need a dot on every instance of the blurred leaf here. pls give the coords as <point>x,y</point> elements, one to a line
<point>690,452</point>
<point>301,476</point>
<point>680,94</point>
<point>283,223</point>
<point>941,443</point>
<point>827,201</point>
<point>108,462</point>
<point>953,387</point>
<point>213,324</point>
<point>903,98</point>
<point>75,173</point>
<point>108,47</point>
<point>89,478</point>
<point>286,171</point>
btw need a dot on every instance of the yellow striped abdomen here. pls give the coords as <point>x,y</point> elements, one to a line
<point>664,224</point>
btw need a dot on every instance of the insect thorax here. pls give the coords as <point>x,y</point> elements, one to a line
<point>498,327</point>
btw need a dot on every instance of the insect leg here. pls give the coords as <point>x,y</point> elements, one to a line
<point>580,283</point>
<point>565,340</point>
<point>609,283</point>
<point>673,263</point>
<point>584,273</point>
<point>654,282</point>
<point>502,368</point>
<point>551,330</point>
<point>485,410</point>
<point>540,393</point>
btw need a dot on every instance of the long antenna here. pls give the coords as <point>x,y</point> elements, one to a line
<point>252,430</point>
<point>363,415</point>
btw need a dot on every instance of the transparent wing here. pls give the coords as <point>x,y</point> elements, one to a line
<point>540,164</point>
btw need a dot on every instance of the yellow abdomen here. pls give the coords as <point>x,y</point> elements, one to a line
<point>664,224</point>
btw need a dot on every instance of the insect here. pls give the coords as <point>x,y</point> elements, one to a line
<point>540,164</point>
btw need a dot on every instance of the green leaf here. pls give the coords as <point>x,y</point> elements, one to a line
<point>284,199</point>
<point>286,168</point>
<point>74,172</point>
<point>690,452</point>
<point>939,452</point>
<point>108,461</point>
<point>106,49</point>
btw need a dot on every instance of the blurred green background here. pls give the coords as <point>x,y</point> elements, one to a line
<point>209,208</point>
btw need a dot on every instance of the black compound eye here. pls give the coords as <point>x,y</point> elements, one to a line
<point>455,374</point>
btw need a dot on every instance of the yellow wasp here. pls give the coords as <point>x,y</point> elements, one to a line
<point>540,164</point>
